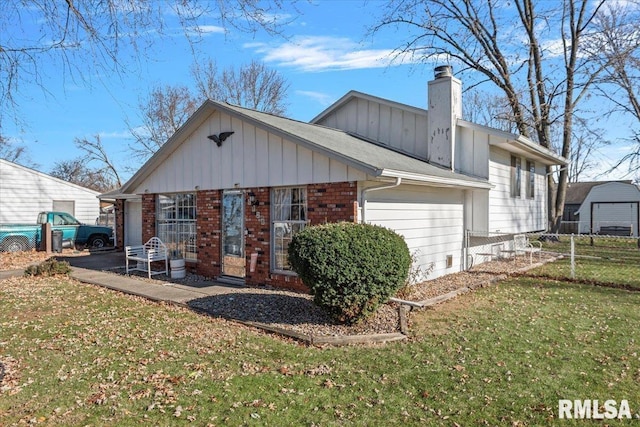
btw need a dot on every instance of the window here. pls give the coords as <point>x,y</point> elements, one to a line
<point>68,206</point>
<point>531,184</point>
<point>176,223</point>
<point>289,215</point>
<point>516,176</point>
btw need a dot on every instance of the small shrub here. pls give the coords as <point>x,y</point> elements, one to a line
<point>50,267</point>
<point>350,268</point>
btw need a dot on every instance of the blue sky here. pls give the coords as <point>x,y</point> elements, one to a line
<point>325,55</point>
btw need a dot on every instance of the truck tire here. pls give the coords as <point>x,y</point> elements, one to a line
<point>97,242</point>
<point>14,244</point>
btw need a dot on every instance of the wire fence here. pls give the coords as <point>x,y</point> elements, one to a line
<point>15,241</point>
<point>608,259</point>
<point>603,228</point>
<point>605,259</point>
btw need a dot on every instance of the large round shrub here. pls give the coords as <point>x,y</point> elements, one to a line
<point>350,268</point>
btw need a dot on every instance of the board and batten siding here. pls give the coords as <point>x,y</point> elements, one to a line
<point>472,152</point>
<point>509,214</point>
<point>430,220</point>
<point>622,199</point>
<point>26,192</point>
<point>401,129</point>
<point>251,157</point>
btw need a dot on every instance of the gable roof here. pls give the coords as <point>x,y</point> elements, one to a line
<point>513,142</point>
<point>352,94</point>
<point>354,151</point>
<point>578,191</point>
<point>34,172</point>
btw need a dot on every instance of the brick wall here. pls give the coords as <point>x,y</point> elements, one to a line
<point>257,222</point>
<point>209,215</point>
<point>331,202</point>
<point>119,226</point>
<point>148,216</point>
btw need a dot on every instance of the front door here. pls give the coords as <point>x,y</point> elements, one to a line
<point>233,260</point>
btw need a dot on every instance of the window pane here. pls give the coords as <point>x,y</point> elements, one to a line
<point>516,176</point>
<point>531,168</point>
<point>176,223</point>
<point>288,210</point>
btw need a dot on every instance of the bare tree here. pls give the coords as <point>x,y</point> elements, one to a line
<point>586,139</point>
<point>16,153</point>
<point>162,113</point>
<point>167,108</point>
<point>488,109</point>
<point>84,38</point>
<point>77,172</point>
<point>94,151</point>
<point>253,85</point>
<point>616,45</point>
<point>531,51</point>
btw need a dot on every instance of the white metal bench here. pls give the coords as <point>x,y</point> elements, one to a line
<point>522,245</point>
<point>152,251</point>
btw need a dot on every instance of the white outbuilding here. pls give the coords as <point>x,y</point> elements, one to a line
<point>25,192</point>
<point>611,208</point>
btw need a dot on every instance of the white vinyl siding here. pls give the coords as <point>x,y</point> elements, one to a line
<point>251,157</point>
<point>430,219</point>
<point>403,130</point>
<point>472,152</point>
<point>26,192</point>
<point>508,214</point>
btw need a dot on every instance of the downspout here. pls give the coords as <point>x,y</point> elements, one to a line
<point>364,192</point>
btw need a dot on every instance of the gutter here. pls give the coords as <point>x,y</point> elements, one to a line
<point>364,193</point>
<point>438,181</point>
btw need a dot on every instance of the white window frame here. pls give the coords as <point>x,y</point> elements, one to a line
<point>176,222</point>
<point>516,177</point>
<point>531,179</point>
<point>288,215</point>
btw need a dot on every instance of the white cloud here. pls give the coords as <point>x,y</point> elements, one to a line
<point>321,98</point>
<point>204,30</point>
<point>325,53</point>
<point>118,134</point>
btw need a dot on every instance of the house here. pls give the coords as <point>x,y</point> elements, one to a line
<point>233,206</point>
<point>25,192</point>
<point>603,207</point>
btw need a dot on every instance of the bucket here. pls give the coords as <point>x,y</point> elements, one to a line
<point>177,269</point>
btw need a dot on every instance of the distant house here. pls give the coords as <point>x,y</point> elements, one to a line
<point>603,207</point>
<point>233,204</point>
<point>25,192</point>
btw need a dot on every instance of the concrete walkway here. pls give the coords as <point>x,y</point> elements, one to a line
<point>90,269</point>
<point>166,291</point>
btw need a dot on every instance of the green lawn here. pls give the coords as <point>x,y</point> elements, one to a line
<point>607,261</point>
<point>502,355</point>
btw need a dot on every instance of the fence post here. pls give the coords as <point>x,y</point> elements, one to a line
<point>573,258</point>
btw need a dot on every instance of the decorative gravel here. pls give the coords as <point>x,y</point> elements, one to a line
<point>278,308</point>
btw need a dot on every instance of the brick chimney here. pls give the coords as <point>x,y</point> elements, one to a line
<point>444,108</point>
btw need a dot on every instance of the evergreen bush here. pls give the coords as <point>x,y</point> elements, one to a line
<point>350,268</point>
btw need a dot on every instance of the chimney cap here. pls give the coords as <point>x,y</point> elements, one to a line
<point>443,71</point>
